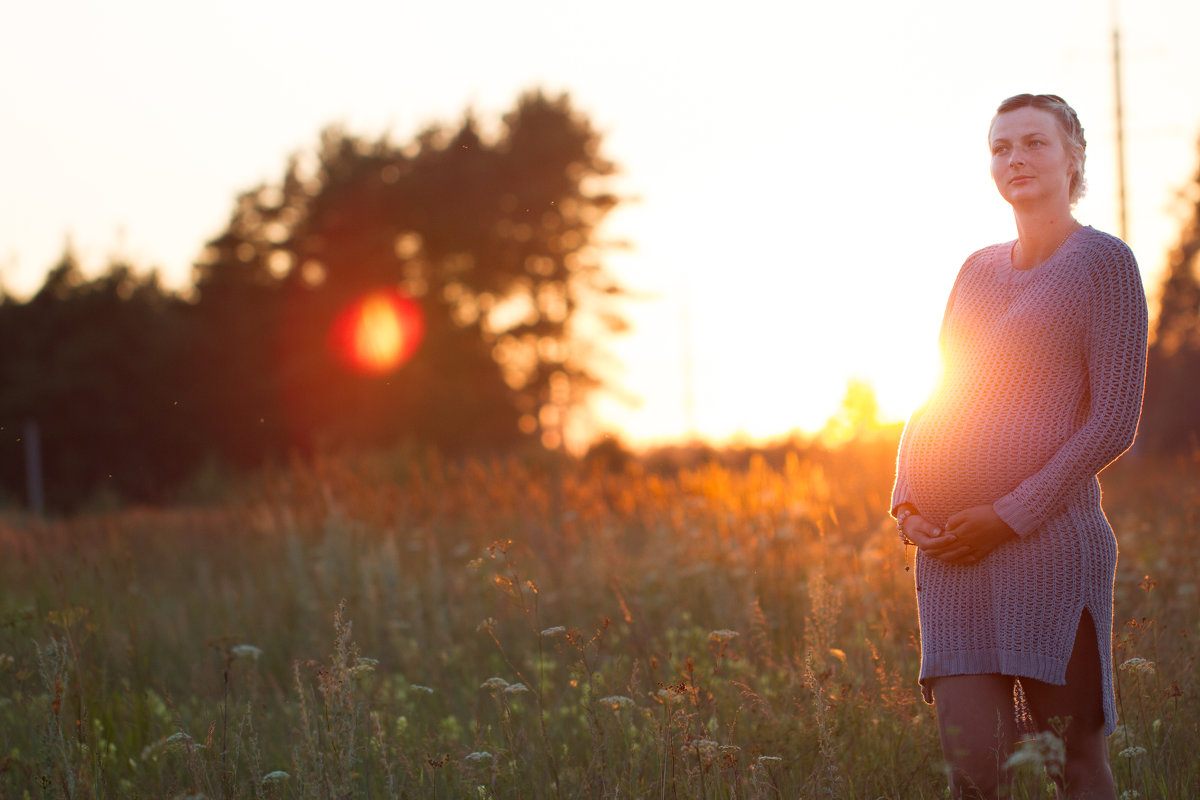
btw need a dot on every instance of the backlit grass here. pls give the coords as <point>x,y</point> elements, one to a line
<point>407,627</point>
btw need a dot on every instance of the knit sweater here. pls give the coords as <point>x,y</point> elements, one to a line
<point>1041,388</point>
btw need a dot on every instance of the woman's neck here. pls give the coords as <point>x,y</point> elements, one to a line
<point>1040,235</point>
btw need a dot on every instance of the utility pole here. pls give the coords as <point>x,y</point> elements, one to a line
<point>1123,229</point>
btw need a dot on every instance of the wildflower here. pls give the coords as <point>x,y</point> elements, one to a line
<point>362,665</point>
<point>557,630</point>
<point>704,747</point>
<point>516,688</point>
<point>494,683</point>
<point>617,701</point>
<point>275,777</point>
<point>721,636</point>
<point>478,755</point>
<point>1132,752</point>
<point>486,625</point>
<point>1138,665</point>
<point>419,689</point>
<point>1044,750</point>
<point>245,651</point>
<point>176,741</point>
<point>1130,794</point>
<point>670,696</point>
<point>767,761</point>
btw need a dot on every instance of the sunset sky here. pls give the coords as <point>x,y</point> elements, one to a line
<point>805,179</point>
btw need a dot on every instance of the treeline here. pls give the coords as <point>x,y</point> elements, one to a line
<point>1171,412</point>
<point>132,388</point>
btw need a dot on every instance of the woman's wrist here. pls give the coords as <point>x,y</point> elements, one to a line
<point>903,512</point>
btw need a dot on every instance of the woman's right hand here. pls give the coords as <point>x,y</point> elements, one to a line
<point>931,539</point>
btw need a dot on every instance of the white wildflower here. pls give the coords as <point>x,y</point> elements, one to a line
<point>486,625</point>
<point>705,747</point>
<point>767,761</point>
<point>175,742</point>
<point>419,689</point>
<point>617,701</point>
<point>362,665</point>
<point>1045,750</point>
<point>246,651</point>
<point>276,776</point>
<point>1138,665</point>
<point>557,630</point>
<point>722,635</point>
<point>1130,794</point>
<point>494,683</point>
<point>1132,752</point>
<point>516,688</point>
<point>478,755</point>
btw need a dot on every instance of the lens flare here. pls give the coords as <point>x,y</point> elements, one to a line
<point>378,332</point>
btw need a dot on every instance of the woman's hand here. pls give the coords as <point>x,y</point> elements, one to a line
<point>977,531</point>
<point>931,539</point>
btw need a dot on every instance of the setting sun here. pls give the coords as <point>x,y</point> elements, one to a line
<point>378,333</point>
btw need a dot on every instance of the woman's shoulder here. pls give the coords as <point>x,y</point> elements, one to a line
<point>1104,248</point>
<point>1105,256</point>
<point>984,258</point>
<point>1106,265</point>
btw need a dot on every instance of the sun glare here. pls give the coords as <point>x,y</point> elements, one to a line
<point>378,332</point>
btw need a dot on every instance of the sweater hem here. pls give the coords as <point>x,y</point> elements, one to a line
<point>990,662</point>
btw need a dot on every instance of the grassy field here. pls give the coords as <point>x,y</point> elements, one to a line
<point>405,627</point>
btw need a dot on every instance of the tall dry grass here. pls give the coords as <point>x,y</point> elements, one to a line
<point>403,626</point>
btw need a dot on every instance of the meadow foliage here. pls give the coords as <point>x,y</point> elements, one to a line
<point>405,626</point>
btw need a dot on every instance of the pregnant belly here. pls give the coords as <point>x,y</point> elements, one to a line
<point>955,460</point>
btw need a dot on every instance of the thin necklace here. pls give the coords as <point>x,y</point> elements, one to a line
<point>1012,253</point>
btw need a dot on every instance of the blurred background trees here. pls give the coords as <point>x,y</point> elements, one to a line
<point>1171,412</point>
<point>493,239</point>
<point>135,389</point>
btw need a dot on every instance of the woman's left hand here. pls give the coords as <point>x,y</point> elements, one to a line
<point>978,531</point>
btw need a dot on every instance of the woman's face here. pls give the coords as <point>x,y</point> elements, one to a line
<point>1030,161</point>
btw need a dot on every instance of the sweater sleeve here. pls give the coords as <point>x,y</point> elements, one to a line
<point>1114,348</point>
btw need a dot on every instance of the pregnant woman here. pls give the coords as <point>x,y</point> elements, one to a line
<point>1044,351</point>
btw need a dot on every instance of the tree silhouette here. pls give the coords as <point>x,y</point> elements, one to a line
<point>95,364</point>
<point>1171,415</point>
<point>493,238</point>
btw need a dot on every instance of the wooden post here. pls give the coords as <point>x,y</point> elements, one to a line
<point>33,468</point>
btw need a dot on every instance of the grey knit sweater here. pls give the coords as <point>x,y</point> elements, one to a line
<point>1041,388</point>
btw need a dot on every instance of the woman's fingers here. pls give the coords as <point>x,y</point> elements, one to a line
<point>960,555</point>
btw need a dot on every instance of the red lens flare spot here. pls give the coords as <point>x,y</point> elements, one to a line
<point>378,332</point>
